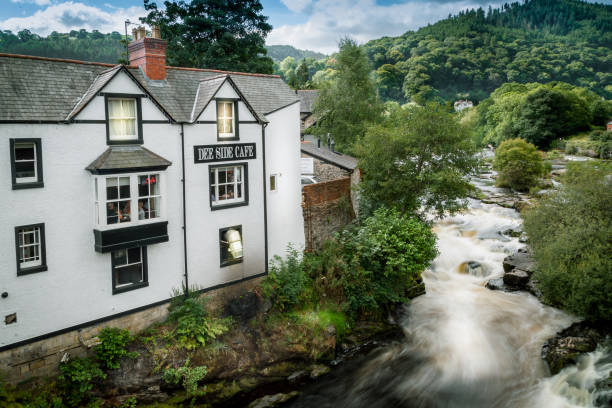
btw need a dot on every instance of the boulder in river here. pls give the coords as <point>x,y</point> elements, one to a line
<point>564,349</point>
<point>496,284</point>
<point>516,278</point>
<point>273,400</point>
<point>523,260</point>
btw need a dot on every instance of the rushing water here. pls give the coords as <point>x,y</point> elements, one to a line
<point>466,345</point>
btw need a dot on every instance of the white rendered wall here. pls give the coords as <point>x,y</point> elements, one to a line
<point>285,221</point>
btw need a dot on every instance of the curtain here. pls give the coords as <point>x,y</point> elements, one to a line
<point>122,118</point>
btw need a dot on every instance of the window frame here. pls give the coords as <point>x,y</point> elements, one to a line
<point>275,177</point>
<point>145,274</point>
<point>245,186</point>
<point>101,200</point>
<point>138,99</point>
<point>43,250</point>
<point>235,120</point>
<point>37,164</point>
<point>233,261</point>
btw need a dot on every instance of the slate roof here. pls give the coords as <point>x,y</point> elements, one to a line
<point>338,159</point>
<point>129,157</point>
<point>307,99</point>
<point>49,89</point>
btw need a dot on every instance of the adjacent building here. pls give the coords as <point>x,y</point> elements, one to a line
<point>120,183</point>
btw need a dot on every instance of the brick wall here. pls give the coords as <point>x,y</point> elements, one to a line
<point>327,208</point>
<point>41,358</point>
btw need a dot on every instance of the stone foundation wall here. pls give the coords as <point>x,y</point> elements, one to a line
<point>41,358</point>
<point>324,171</point>
<point>327,208</point>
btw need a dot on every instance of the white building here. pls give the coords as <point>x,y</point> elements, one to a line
<point>118,184</point>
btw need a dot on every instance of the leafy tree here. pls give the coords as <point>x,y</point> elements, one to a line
<point>213,34</point>
<point>417,159</point>
<point>349,103</point>
<point>518,163</point>
<point>569,231</point>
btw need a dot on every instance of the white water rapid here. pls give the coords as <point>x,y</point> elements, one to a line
<point>467,346</point>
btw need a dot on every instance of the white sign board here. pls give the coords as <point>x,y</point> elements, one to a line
<point>307,165</point>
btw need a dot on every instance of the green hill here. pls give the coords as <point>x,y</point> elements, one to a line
<point>471,54</point>
<point>280,52</point>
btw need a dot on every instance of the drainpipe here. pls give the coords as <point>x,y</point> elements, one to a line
<point>265,192</point>
<point>184,210</point>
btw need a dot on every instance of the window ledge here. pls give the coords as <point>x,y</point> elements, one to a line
<point>230,205</point>
<point>116,291</point>
<point>233,262</point>
<point>124,142</point>
<point>33,269</point>
<point>23,186</point>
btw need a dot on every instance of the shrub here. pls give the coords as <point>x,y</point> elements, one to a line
<point>518,163</point>
<point>600,135</point>
<point>194,327</point>
<point>112,345</point>
<point>189,376</point>
<point>78,377</point>
<point>287,281</point>
<point>570,232</point>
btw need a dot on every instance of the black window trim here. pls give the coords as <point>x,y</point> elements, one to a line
<point>245,176</point>
<point>235,261</point>
<point>236,119</point>
<point>43,250</point>
<point>39,168</point>
<point>138,98</point>
<point>145,272</point>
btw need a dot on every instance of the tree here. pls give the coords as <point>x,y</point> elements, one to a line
<point>216,34</point>
<point>569,231</point>
<point>417,160</point>
<point>519,164</point>
<point>348,104</point>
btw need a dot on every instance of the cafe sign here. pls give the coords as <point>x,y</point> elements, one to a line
<point>224,152</point>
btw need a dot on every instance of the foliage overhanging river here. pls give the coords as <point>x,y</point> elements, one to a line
<point>466,345</point>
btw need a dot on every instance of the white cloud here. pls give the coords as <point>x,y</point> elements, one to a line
<point>363,20</point>
<point>37,2</point>
<point>69,15</point>
<point>297,6</point>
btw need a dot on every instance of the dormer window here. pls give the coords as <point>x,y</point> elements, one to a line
<point>226,120</point>
<point>123,120</point>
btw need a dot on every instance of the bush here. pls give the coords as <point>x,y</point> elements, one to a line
<point>112,345</point>
<point>570,232</point>
<point>194,327</point>
<point>78,377</point>
<point>518,163</point>
<point>600,136</point>
<point>287,281</point>
<point>189,376</point>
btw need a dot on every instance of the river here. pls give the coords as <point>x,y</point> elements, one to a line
<point>467,346</point>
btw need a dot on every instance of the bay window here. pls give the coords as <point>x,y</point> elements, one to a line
<point>30,246</point>
<point>228,185</point>
<point>26,163</point>
<point>230,243</point>
<point>129,269</point>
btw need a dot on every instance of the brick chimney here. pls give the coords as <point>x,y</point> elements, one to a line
<point>149,53</point>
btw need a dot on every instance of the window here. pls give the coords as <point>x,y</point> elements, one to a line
<point>228,185</point>
<point>123,124</point>
<point>118,203</point>
<point>127,199</point>
<point>26,163</point>
<point>30,246</point>
<point>148,196</point>
<point>226,123</point>
<point>273,181</point>
<point>230,241</point>
<point>129,269</point>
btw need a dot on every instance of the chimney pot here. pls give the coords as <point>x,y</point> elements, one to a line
<point>155,32</point>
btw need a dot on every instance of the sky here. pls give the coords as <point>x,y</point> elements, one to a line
<point>306,24</point>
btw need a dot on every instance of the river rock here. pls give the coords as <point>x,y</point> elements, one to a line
<point>516,278</point>
<point>513,232</point>
<point>297,376</point>
<point>496,284</point>
<point>564,349</point>
<point>523,260</point>
<point>273,400</point>
<point>319,370</point>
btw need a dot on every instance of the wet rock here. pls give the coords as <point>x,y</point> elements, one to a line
<point>319,370</point>
<point>564,349</point>
<point>513,232</point>
<point>298,376</point>
<point>523,238</point>
<point>273,400</point>
<point>471,268</point>
<point>523,260</point>
<point>532,287</point>
<point>516,278</point>
<point>496,284</point>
